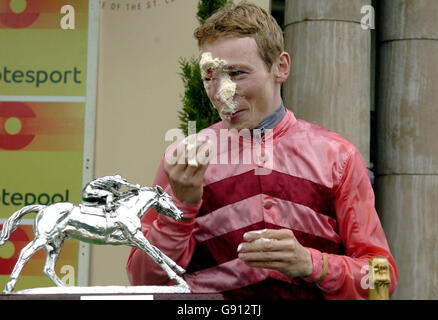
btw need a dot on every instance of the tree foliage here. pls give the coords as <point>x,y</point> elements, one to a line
<point>207,7</point>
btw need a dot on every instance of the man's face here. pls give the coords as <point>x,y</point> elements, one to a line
<point>257,94</point>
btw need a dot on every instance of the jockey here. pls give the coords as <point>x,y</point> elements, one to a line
<point>105,190</point>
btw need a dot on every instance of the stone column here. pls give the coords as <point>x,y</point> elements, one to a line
<point>330,74</point>
<point>407,148</point>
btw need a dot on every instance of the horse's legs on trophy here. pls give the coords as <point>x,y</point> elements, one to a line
<point>49,267</point>
<point>142,243</point>
<point>169,261</point>
<point>24,256</point>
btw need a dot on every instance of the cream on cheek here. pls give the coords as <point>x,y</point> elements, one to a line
<point>226,88</point>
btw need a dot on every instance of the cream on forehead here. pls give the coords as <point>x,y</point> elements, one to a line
<point>227,88</point>
<point>207,62</point>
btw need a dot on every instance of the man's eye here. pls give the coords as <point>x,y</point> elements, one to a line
<point>236,73</point>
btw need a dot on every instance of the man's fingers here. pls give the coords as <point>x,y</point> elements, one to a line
<point>186,162</point>
<point>268,240</point>
<point>190,152</point>
<point>198,160</point>
<point>268,245</point>
<point>268,234</point>
<point>190,171</point>
<point>204,152</point>
<point>258,256</point>
<point>173,155</point>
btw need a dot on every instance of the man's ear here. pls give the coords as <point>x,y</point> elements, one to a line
<point>282,67</point>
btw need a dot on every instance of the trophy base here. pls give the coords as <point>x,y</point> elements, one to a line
<point>106,290</point>
<point>110,293</point>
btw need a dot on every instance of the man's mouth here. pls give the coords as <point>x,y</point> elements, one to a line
<point>238,111</point>
<point>229,115</point>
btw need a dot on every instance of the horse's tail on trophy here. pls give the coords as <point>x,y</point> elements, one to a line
<point>11,224</point>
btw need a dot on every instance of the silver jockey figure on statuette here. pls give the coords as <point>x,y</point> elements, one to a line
<point>105,190</point>
<point>105,216</point>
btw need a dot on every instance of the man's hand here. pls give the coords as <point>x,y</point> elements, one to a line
<point>278,250</point>
<point>186,171</point>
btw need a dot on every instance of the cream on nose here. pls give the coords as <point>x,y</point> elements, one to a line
<point>225,93</point>
<point>216,85</point>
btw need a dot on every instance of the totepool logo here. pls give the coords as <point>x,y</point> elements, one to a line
<point>10,252</point>
<point>19,14</point>
<point>14,134</point>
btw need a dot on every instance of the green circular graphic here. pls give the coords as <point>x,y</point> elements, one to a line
<point>13,126</point>
<point>7,251</point>
<point>18,6</point>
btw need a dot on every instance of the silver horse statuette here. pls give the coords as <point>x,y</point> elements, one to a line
<point>106,216</point>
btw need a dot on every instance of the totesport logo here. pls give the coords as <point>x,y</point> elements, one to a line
<point>10,252</point>
<point>18,14</point>
<point>38,14</point>
<point>41,126</point>
<point>12,117</point>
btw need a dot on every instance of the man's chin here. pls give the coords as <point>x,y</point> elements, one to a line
<point>236,125</point>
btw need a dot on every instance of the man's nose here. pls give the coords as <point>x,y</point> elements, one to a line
<point>218,88</point>
<point>217,95</point>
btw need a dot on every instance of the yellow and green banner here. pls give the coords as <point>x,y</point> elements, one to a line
<point>43,100</point>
